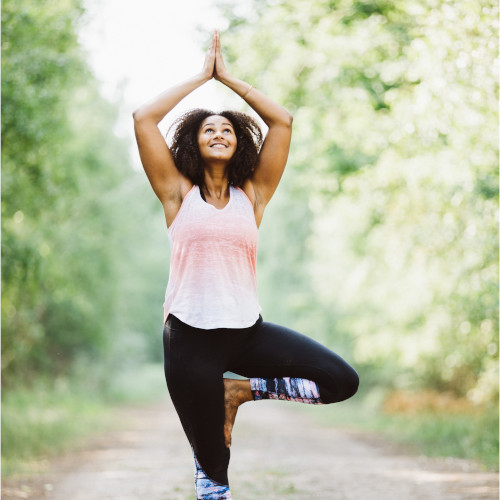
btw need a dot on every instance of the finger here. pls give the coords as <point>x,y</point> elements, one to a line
<point>213,42</point>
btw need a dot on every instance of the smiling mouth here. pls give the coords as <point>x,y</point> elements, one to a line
<point>218,145</point>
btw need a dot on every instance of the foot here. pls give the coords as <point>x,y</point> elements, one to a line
<point>236,392</point>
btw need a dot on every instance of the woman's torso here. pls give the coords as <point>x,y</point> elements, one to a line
<point>212,281</point>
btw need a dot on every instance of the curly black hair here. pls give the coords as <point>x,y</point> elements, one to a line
<point>186,153</point>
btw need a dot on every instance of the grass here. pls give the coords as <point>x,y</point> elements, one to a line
<point>462,436</point>
<point>435,430</point>
<point>52,417</point>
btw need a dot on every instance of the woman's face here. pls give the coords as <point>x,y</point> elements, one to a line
<point>216,139</point>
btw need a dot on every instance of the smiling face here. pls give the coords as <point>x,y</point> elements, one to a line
<point>216,139</point>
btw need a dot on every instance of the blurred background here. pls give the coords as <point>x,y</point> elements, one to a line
<point>382,241</point>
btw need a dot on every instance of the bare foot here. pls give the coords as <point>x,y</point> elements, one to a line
<point>236,392</point>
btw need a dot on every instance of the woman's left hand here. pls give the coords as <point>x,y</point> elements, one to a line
<point>220,72</point>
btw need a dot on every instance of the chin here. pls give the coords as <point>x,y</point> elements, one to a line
<point>222,155</point>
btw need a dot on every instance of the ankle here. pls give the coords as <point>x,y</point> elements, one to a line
<point>245,391</point>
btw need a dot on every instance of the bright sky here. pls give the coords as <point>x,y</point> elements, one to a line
<point>138,49</point>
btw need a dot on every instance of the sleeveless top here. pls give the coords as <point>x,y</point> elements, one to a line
<point>213,280</point>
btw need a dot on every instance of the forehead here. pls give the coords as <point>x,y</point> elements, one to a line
<point>216,120</point>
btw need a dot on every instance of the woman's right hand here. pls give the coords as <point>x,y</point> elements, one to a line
<point>209,64</point>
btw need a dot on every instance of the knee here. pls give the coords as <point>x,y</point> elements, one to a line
<point>343,384</point>
<point>351,383</point>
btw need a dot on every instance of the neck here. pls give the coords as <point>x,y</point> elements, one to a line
<point>216,183</point>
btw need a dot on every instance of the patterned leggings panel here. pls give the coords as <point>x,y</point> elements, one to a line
<point>299,390</point>
<point>206,488</point>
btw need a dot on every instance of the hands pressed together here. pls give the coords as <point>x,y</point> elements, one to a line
<point>213,66</point>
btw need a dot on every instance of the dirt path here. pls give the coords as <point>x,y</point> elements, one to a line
<point>278,453</point>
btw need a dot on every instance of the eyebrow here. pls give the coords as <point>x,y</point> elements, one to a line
<point>213,124</point>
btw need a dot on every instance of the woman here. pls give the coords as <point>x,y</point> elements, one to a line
<point>214,183</point>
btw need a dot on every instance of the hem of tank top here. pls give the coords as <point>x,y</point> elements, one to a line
<point>177,215</point>
<point>259,316</point>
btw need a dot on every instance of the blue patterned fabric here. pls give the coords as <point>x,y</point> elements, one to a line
<point>206,488</point>
<point>288,389</point>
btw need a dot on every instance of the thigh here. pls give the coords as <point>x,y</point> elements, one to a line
<point>276,351</point>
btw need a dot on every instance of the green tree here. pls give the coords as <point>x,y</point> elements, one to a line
<point>75,215</point>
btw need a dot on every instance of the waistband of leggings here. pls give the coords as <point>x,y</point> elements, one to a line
<point>176,324</point>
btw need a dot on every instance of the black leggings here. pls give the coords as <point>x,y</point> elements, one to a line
<point>196,359</point>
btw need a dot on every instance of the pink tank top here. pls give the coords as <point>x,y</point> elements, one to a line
<point>213,280</point>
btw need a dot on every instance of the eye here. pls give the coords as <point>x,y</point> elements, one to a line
<point>228,130</point>
<point>209,129</point>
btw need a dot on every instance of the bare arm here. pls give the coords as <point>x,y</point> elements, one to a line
<point>274,152</point>
<point>156,158</point>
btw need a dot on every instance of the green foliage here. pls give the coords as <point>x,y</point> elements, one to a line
<point>472,437</point>
<point>395,158</point>
<point>76,218</point>
<point>44,421</point>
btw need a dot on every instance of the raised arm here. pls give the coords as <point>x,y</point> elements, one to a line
<point>274,152</point>
<point>156,157</point>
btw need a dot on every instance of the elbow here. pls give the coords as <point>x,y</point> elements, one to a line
<point>137,115</point>
<point>143,115</point>
<point>284,120</point>
<point>287,119</point>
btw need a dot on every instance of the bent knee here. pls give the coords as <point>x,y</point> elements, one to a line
<point>343,385</point>
<point>351,384</point>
